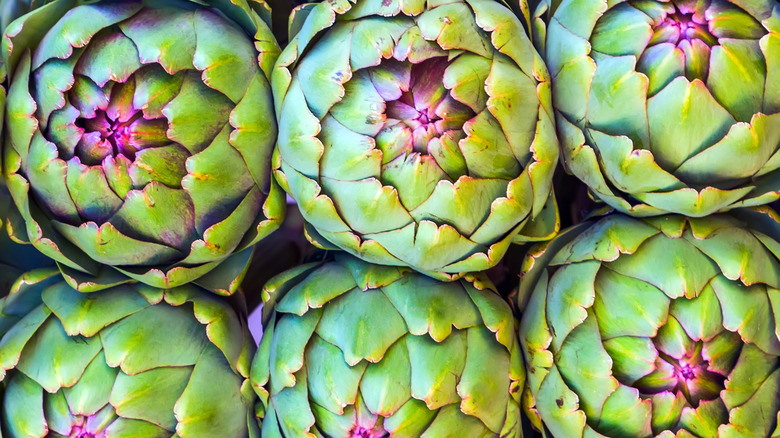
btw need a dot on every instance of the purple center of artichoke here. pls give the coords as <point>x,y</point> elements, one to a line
<point>362,432</point>
<point>676,38</point>
<point>115,128</point>
<point>686,372</point>
<point>696,382</point>
<point>689,375</point>
<point>424,106</point>
<point>80,432</point>
<point>116,135</point>
<point>684,26</point>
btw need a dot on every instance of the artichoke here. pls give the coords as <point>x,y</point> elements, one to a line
<point>416,134</point>
<point>127,361</point>
<point>354,350</point>
<point>655,99</point>
<point>139,136</point>
<point>662,326</point>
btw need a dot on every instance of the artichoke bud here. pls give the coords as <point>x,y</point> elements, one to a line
<point>357,350</point>
<point>416,134</point>
<point>131,360</point>
<point>140,134</point>
<point>655,99</point>
<point>655,327</point>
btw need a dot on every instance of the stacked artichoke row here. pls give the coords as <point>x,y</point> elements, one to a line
<point>355,225</point>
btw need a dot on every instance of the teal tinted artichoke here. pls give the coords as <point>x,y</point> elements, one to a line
<point>416,134</point>
<point>139,136</point>
<point>667,106</point>
<point>130,361</point>
<point>358,350</point>
<point>666,327</point>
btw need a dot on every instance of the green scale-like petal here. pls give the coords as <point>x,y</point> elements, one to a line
<point>353,348</point>
<point>149,148</point>
<point>654,327</point>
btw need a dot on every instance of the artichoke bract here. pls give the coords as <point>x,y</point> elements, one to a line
<point>416,133</point>
<point>667,106</point>
<point>16,257</point>
<point>127,361</point>
<point>139,135</point>
<point>665,327</point>
<point>10,10</point>
<point>354,350</point>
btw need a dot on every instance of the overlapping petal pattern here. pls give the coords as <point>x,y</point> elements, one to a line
<point>353,350</point>
<point>416,133</point>
<point>147,146</point>
<point>667,106</point>
<point>130,361</point>
<point>139,135</point>
<point>665,327</point>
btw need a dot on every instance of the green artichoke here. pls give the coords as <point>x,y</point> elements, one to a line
<point>416,133</point>
<point>667,105</point>
<point>354,350</point>
<point>665,327</point>
<point>131,361</point>
<point>139,135</point>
